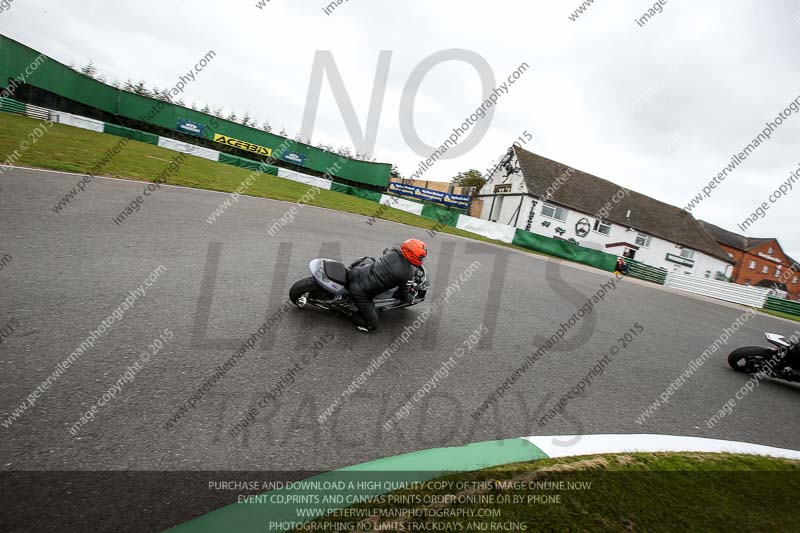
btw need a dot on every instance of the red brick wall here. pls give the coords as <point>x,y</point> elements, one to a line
<point>738,256</point>
<point>743,274</point>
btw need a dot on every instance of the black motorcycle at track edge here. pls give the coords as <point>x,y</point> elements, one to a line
<point>782,361</point>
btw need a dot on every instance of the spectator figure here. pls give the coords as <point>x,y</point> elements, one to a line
<point>621,267</point>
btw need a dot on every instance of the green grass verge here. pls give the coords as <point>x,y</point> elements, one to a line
<point>628,492</point>
<point>780,314</point>
<point>71,149</point>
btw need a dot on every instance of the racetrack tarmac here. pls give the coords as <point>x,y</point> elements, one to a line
<point>70,270</point>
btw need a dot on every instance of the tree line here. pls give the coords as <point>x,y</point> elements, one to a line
<point>471,178</point>
<point>142,88</point>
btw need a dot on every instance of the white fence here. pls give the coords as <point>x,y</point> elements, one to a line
<point>722,290</point>
<point>38,112</point>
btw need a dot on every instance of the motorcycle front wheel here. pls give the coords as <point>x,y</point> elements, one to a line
<point>750,359</point>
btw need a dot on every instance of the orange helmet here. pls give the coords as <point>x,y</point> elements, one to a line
<point>414,250</point>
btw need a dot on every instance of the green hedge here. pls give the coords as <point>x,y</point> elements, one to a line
<point>564,250</point>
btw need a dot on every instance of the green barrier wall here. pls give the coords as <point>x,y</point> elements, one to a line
<point>564,250</point>
<point>355,191</point>
<point>136,135</point>
<point>784,306</point>
<point>50,75</point>
<point>443,216</point>
<point>8,105</point>
<point>646,272</point>
<point>247,163</point>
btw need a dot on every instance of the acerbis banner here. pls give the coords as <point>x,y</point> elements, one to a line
<point>242,145</point>
<point>430,195</point>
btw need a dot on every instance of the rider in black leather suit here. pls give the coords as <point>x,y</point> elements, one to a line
<point>370,277</point>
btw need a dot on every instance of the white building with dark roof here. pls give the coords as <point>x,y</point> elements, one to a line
<point>548,198</point>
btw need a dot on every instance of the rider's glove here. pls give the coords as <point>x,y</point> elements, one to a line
<point>411,287</point>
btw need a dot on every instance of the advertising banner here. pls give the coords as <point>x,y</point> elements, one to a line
<point>242,145</point>
<point>430,195</point>
<point>190,127</point>
<point>294,157</point>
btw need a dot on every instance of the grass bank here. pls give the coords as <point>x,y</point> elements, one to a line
<point>71,149</point>
<point>625,492</point>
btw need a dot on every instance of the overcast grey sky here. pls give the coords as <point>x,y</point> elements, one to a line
<point>659,109</point>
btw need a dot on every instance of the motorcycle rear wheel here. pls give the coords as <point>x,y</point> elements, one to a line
<point>305,286</point>
<point>750,359</point>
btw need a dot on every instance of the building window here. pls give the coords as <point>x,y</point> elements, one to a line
<point>778,271</point>
<point>766,269</point>
<point>602,227</point>
<point>752,265</point>
<point>795,280</point>
<point>769,251</point>
<point>687,253</point>
<point>708,273</point>
<point>643,240</point>
<point>553,211</point>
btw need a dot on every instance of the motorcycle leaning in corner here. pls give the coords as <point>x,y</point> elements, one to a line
<point>781,361</point>
<point>327,288</point>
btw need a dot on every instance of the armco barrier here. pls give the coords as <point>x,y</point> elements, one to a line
<point>784,306</point>
<point>721,290</point>
<point>646,272</point>
<point>564,250</point>
<point>484,228</point>
<point>136,135</point>
<point>8,105</point>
